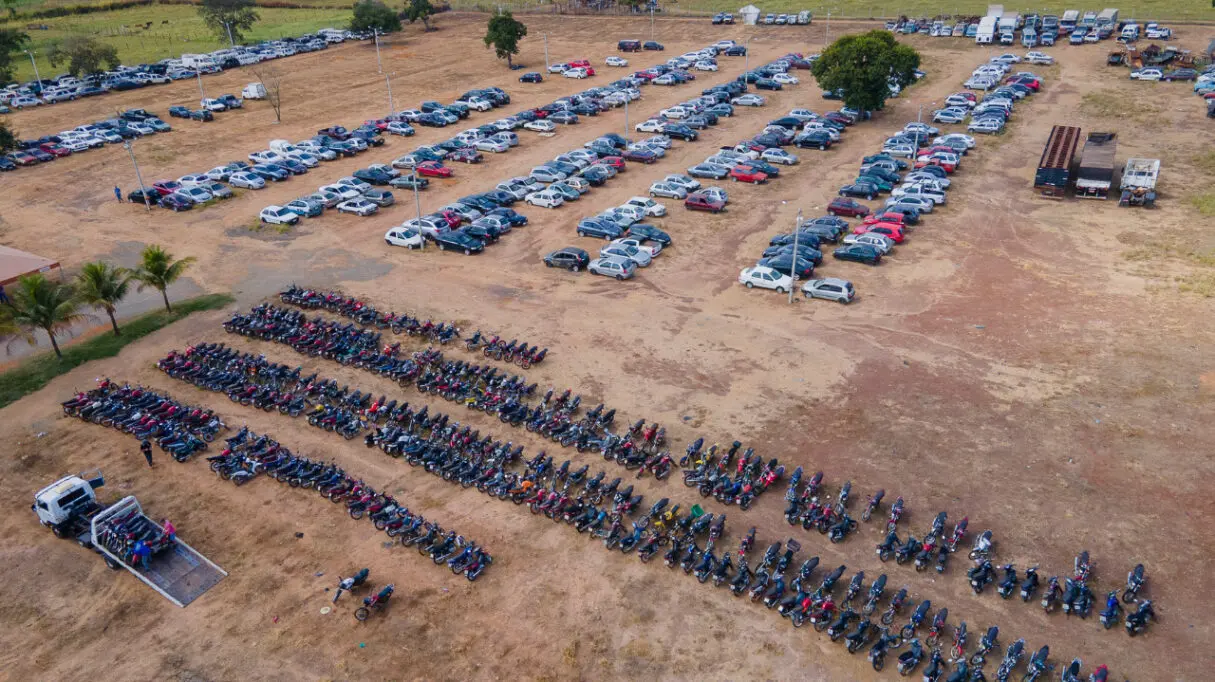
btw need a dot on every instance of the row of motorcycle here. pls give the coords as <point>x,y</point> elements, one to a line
<point>513,351</point>
<point>179,430</point>
<point>247,455</point>
<point>812,508</point>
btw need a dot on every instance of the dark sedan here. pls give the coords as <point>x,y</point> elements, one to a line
<point>803,249</point>
<point>786,265</point>
<point>678,130</point>
<point>458,241</point>
<point>640,155</point>
<point>811,239</point>
<point>860,189</point>
<point>373,176</point>
<point>179,112</point>
<point>570,258</point>
<point>699,201</point>
<point>594,227</point>
<point>860,253</point>
<point>176,203</point>
<point>511,216</point>
<point>646,232</point>
<point>767,84</point>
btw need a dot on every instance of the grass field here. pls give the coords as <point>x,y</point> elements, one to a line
<point>174,29</point>
<point>36,372</point>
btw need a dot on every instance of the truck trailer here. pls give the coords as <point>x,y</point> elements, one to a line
<point>1096,173</point>
<point>1138,183</point>
<point>987,31</point>
<point>1055,166</point>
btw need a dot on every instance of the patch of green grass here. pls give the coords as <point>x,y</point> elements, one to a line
<point>1205,162</point>
<point>149,34</point>
<point>1202,284</point>
<point>1205,203</point>
<point>37,371</point>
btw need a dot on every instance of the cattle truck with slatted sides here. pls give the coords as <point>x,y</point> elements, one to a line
<point>1096,173</point>
<point>1138,182</point>
<point>69,507</point>
<point>1055,167</point>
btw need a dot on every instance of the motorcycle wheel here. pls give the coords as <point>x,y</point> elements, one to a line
<point>362,613</point>
<point>821,625</point>
<point>879,663</point>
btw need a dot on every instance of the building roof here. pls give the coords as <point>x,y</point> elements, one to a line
<point>15,263</point>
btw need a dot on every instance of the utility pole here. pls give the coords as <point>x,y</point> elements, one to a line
<point>228,25</point>
<point>827,35</point>
<point>142,190</point>
<point>201,94</point>
<point>35,63</point>
<point>626,116</point>
<point>379,66</point>
<point>747,55</point>
<point>417,204</point>
<point>797,227</point>
<point>652,20</point>
<point>545,36</point>
<point>388,82</point>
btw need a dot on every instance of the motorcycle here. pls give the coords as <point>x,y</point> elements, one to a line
<point>1006,586</point>
<point>980,576</point>
<point>1137,622</point>
<point>874,504</point>
<point>1112,611</point>
<point>378,600</point>
<point>1012,656</point>
<point>908,660</point>
<point>982,548</point>
<point>1134,582</point>
<point>1030,584</point>
<point>987,643</point>
<point>1037,665</point>
<point>351,583</point>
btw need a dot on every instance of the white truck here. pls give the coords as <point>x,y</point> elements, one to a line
<point>197,61</point>
<point>1139,182</point>
<point>69,507</point>
<point>987,31</point>
<point>254,91</point>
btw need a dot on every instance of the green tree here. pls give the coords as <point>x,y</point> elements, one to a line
<point>102,285</point>
<point>419,10</point>
<point>12,42</point>
<point>83,55</point>
<point>8,139</point>
<point>862,66</point>
<point>503,35</point>
<point>38,303</point>
<point>158,270</point>
<point>373,14</point>
<point>229,17</point>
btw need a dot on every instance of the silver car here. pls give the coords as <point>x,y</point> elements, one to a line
<point>641,258</point>
<point>620,268</point>
<point>669,190</point>
<point>830,288</point>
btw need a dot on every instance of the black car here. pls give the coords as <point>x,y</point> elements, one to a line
<point>833,221</point>
<point>651,45</point>
<point>787,122</point>
<point>511,216</point>
<point>763,166</point>
<point>594,227</point>
<point>373,176</point>
<point>483,233</point>
<point>736,51</point>
<point>500,197</point>
<point>175,203</point>
<point>680,131</point>
<point>179,112</point>
<point>861,253</point>
<point>810,239</point>
<point>767,84</point>
<point>202,115</point>
<point>231,101</point>
<point>596,175</point>
<point>814,139</point>
<point>860,189</point>
<point>900,163</point>
<point>478,202</point>
<point>6,164</point>
<point>458,241</point>
<point>647,232</point>
<point>570,258</point>
<point>883,173</point>
<point>804,250</point>
<point>293,167</point>
<point>825,233</point>
<point>1180,75</point>
<point>785,264</point>
<point>432,120</point>
<point>768,140</point>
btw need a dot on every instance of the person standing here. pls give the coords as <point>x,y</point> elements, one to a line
<point>170,530</point>
<point>146,448</point>
<point>142,552</point>
<point>117,193</point>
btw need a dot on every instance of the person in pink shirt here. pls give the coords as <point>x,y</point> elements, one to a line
<point>170,530</point>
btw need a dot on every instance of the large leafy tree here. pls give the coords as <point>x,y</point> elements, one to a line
<point>12,42</point>
<point>8,139</point>
<point>862,66</point>
<point>373,14</point>
<point>158,270</point>
<point>38,303</point>
<point>419,10</point>
<point>503,35</point>
<point>83,55</point>
<point>102,285</point>
<point>222,16</point>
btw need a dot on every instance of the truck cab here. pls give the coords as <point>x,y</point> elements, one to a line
<point>66,505</point>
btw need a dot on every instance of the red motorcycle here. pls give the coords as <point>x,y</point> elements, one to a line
<point>376,601</point>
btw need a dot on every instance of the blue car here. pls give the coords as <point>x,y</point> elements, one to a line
<point>270,171</point>
<point>510,215</point>
<point>602,229</point>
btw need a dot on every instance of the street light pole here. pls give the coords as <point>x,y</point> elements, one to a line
<point>545,35</point>
<point>626,116</point>
<point>388,82</point>
<point>142,190</point>
<point>379,66</point>
<point>827,35</point>
<point>417,203</point>
<point>747,55</point>
<point>37,77</point>
<point>201,94</point>
<point>651,21</point>
<point>797,228</point>
<point>228,25</point>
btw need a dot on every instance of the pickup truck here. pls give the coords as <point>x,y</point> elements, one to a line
<point>69,507</point>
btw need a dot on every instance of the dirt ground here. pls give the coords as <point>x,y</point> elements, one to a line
<point>1037,366</point>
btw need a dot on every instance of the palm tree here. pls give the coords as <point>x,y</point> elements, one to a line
<point>102,285</point>
<point>38,303</point>
<point>158,270</point>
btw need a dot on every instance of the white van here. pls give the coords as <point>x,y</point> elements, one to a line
<point>195,61</point>
<point>255,91</point>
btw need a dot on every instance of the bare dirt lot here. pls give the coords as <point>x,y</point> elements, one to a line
<point>1042,367</point>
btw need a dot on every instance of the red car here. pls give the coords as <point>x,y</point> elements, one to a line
<point>748,174</point>
<point>166,187</point>
<point>895,232</point>
<point>23,158</point>
<point>949,166</point>
<point>645,75</point>
<point>584,63</point>
<point>453,219</point>
<point>55,149</point>
<point>613,161</point>
<point>699,201</point>
<point>937,148</point>
<point>847,207</point>
<point>1031,83</point>
<point>379,123</point>
<point>888,218</point>
<point>433,169</point>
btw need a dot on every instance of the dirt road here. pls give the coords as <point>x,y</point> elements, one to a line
<point>1009,363</point>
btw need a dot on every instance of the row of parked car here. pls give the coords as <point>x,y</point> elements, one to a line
<point>989,115</point>
<point>66,87</point>
<point>128,125</point>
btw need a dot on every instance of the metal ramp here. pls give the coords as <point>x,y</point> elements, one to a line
<point>183,574</point>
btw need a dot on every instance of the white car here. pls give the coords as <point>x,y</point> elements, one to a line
<point>265,156</point>
<point>541,126</point>
<point>765,278</point>
<point>704,66</point>
<point>1039,58</point>
<point>748,101</point>
<point>651,248</point>
<point>936,196</point>
<point>676,112</point>
<point>558,68</point>
<point>196,194</point>
<point>616,61</point>
<point>278,215</point>
<point>985,125</point>
<point>922,128</point>
<point>669,190</point>
<point>928,178</point>
<point>880,242</point>
<point>948,116</point>
<point>514,189</point>
<point>194,180</point>
<point>1147,75</point>
<point>922,204</point>
<point>401,235</point>
<point>309,160</point>
<point>641,258</point>
<point>545,199</point>
<point>652,125</point>
<point>476,104</point>
<point>578,72</point>
<point>354,182</point>
<point>966,139</point>
<point>509,123</point>
<point>213,105</point>
<point>246,180</point>
<point>344,191</point>
<point>361,207</point>
<point>652,208</point>
<point>400,128</point>
<point>495,146</point>
<point>785,79</point>
<point>905,151</point>
<point>778,155</point>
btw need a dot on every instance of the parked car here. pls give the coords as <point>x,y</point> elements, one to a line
<point>456,240</point>
<point>246,180</point>
<point>545,199</point>
<point>359,207</point>
<point>616,250</point>
<point>789,264</point>
<point>765,278</point>
<point>570,258</point>
<point>860,189</point>
<point>831,289</point>
<point>748,101</point>
<point>619,268</point>
<point>709,170</point>
<point>531,77</point>
<point>401,235</point>
<point>861,253</point>
<point>669,190</point>
<point>305,208</point>
<point>843,206</point>
<point>278,215</point>
<point>746,173</point>
<point>701,201</point>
